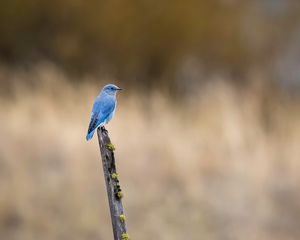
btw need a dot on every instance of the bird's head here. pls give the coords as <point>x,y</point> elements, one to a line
<point>111,89</point>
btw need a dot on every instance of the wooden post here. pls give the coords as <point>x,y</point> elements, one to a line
<point>114,192</point>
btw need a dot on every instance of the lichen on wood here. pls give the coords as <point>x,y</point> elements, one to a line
<point>113,188</point>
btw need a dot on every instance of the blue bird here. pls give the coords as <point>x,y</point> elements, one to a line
<point>103,109</point>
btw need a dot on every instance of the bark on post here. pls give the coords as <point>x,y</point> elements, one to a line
<point>114,192</point>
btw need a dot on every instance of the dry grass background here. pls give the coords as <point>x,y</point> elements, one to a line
<point>223,164</point>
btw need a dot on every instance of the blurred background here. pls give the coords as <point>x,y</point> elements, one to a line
<point>207,130</point>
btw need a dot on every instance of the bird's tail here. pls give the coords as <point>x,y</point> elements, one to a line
<point>90,135</point>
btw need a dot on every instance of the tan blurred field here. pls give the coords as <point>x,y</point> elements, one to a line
<point>222,164</point>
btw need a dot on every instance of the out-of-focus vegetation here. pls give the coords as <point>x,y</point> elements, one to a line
<point>147,42</point>
<point>223,165</point>
<point>206,132</point>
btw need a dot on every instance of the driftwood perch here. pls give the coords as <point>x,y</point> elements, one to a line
<point>113,188</point>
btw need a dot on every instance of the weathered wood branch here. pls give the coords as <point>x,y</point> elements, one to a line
<point>114,192</point>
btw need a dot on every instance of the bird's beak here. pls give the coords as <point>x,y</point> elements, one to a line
<point>119,89</point>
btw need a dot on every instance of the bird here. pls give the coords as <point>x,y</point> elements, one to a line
<point>103,109</point>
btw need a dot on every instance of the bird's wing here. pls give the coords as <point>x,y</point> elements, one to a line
<point>101,110</point>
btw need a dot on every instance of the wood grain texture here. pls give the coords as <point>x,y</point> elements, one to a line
<point>114,192</point>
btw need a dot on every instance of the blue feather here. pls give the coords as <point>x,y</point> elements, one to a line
<point>103,109</point>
